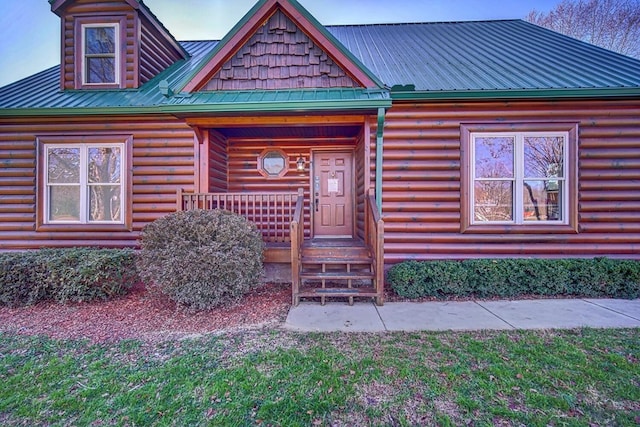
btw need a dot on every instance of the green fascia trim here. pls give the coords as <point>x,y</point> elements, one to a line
<point>222,43</point>
<point>517,94</point>
<point>235,107</point>
<point>202,108</point>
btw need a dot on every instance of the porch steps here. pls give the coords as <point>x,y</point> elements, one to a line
<point>341,268</point>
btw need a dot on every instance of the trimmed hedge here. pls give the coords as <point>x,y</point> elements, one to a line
<point>201,259</point>
<point>65,275</point>
<point>510,278</point>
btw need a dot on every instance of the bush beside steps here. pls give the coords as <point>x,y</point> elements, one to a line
<point>513,278</point>
<point>201,259</point>
<point>65,275</point>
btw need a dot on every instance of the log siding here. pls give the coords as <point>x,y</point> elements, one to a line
<point>422,188</point>
<point>162,162</point>
<point>422,203</point>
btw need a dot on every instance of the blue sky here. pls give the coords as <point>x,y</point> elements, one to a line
<point>30,39</point>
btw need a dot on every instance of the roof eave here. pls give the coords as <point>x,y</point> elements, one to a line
<point>70,112</point>
<point>230,107</point>
<point>561,93</point>
<point>289,106</point>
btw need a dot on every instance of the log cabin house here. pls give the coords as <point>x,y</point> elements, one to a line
<point>351,147</point>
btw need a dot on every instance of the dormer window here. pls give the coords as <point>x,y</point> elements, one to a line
<point>100,54</point>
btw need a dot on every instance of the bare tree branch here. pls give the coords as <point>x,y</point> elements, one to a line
<point>611,24</point>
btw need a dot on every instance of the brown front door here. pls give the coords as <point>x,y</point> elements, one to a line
<point>332,194</point>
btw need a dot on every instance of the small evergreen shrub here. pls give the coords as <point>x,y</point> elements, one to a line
<point>201,259</point>
<point>512,278</point>
<point>65,275</point>
<point>91,274</point>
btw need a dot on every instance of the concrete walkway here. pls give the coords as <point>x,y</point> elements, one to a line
<point>465,315</point>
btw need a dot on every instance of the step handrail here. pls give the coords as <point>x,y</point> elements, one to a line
<point>297,238</point>
<point>374,239</point>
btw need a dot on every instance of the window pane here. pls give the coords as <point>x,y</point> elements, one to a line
<point>104,165</point>
<point>101,70</point>
<point>64,203</point>
<point>100,40</point>
<point>494,157</point>
<point>63,165</point>
<point>493,201</point>
<point>273,163</point>
<point>543,157</point>
<point>104,203</point>
<point>542,201</point>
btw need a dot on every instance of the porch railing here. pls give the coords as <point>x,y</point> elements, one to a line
<point>374,239</point>
<point>271,212</point>
<point>297,238</point>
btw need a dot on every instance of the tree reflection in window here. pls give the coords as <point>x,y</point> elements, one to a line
<point>494,173</point>
<point>64,184</point>
<point>518,178</point>
<point>84,184</point>
<point>100,54</point>
<point>104,184</point>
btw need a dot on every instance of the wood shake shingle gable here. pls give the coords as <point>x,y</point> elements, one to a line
<point>279,56</point>
<point>247,28</point>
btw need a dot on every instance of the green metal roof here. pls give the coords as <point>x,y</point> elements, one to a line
<point>279,100</point>
<point>489,59</point>
<point>511,55</point>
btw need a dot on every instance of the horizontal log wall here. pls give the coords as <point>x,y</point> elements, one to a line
<point>421,181</point>
<point>360,184</point>
<point>163,161</point>
<point>156,52</point>
<point>217,162</point>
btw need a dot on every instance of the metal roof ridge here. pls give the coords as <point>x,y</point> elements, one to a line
<point>383,24</point>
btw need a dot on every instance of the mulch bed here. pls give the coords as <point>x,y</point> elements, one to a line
<point>145,316</point>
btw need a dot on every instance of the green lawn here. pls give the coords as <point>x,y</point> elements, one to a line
<point>272,377</point>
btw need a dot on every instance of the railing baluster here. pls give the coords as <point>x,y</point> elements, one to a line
<point>271,212</point>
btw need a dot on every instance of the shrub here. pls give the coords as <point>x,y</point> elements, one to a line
<point>203,258</point>
<point>509,278</point>
<point>91,274</point>
<point>65,275</point>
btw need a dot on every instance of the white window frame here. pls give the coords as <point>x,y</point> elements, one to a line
<point>116,53</point>
<point>84,183</point>
<point>519,178</point>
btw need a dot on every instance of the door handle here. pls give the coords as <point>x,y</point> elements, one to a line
<point>317,203</point>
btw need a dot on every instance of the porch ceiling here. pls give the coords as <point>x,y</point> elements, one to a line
<point>350,131</point>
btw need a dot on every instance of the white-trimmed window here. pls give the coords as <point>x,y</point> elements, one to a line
<point>100,55</point>
<point>84,183</point>
<point>519,178</point>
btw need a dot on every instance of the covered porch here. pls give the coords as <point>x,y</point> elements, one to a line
<point>307,182</point>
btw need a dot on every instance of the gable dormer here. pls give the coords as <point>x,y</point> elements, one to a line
<point>280,55</point>
<point>279,45</point>
<point>112,44</point>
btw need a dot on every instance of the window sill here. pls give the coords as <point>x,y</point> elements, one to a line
<point>58,227</point>
<point>519,229</point>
